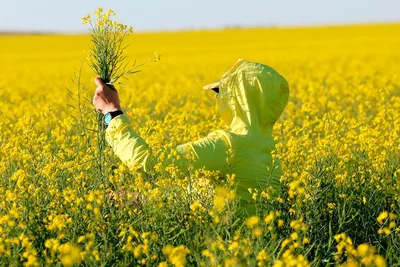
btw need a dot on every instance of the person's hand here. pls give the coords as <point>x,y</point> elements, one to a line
<point>106,97</point>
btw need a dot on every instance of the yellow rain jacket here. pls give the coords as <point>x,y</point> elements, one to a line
<point>251,98</point>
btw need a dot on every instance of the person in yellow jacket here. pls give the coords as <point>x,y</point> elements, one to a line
<point>251,97</point>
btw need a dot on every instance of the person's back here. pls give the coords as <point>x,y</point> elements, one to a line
<point>251,98</point>
<point>254,168</point>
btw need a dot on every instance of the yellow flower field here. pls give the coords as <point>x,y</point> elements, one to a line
<point>64,203</point>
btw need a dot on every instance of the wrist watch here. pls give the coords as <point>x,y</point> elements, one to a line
<point>111,115</point>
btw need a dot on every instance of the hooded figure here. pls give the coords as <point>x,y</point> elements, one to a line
<point>251,98</point>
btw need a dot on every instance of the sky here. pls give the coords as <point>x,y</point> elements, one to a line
<point>160,15</point>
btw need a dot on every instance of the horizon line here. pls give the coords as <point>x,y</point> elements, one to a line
<point>229,27</point>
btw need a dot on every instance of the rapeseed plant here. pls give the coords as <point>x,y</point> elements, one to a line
<point>106,57</point>
<point>338,141</point>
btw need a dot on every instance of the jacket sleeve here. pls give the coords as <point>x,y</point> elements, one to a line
<point>209,152</point>
<point>127,144</point>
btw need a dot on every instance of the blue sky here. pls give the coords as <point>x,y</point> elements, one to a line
<point>158,15</point>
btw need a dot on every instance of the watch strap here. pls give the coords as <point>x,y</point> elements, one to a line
<point>111,115</point>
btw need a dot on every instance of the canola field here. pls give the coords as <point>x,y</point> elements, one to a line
<point>66,200</point>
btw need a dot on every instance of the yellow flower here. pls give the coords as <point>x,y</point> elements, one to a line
<point>294,236</point>
<point>234,245</point>
<point>69,254</point>
<point>285,243</point>
<point>262,255</point>
<point>351,263</point>
<point>269,218</point>
<point>96,211</point>
<point>252,221</point>
<point>363,250</point>
<point>58,222</point>
<point>380,261</point>
<point>386,231</point>
<point>110,13</point>
<point>331,205</point>
<point>195,205</point>
<point>219,203</point>
<point>176,255</point>
<point>98,11</point>
<point>86,19</point>
<point>156,57</point>
<point>382,216</point>
<point>81,239</point>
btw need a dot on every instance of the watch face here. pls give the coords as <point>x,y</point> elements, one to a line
<point>107,118</point>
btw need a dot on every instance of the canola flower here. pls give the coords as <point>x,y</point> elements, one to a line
<point>338,141</point>
<point>106,56</point>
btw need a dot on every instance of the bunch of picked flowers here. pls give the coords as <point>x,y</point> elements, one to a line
<point>106,56</point>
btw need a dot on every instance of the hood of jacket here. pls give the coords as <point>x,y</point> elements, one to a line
<point>252,96</point>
